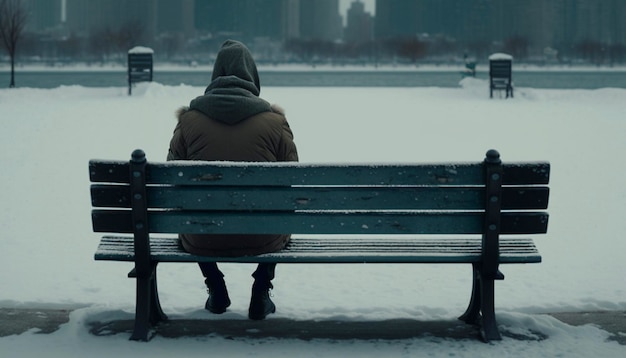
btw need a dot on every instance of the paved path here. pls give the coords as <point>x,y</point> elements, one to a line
<point>20,320</point>
<point>17,321</point>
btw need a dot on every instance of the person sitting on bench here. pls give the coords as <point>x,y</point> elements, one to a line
<point>230,122</point>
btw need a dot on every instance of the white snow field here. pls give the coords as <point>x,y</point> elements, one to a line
<point>47,137</point>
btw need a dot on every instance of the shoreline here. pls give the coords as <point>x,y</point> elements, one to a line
<point>287,68</point>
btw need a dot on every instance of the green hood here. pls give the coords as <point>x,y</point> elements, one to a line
<point>233,94</point>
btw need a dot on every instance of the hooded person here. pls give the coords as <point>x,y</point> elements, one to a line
<point>230,122</point>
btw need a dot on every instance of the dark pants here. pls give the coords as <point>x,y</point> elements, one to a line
<point>264,272</point>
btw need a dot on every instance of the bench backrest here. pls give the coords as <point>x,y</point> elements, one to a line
<point>277,198</point>
<point>500,69</point>
<point>140,67</point>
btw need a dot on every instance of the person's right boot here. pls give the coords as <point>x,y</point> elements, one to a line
<point>260,303</point>
<point>218,299</point>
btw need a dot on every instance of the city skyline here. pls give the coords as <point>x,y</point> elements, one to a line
<point>415,27</point>
<point>344,5</point>
<point>422,11</point>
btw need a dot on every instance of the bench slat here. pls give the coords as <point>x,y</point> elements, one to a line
<point>286,174</point>
<point>320,198</point>
<point>319,222</point>
<point>338,250</point>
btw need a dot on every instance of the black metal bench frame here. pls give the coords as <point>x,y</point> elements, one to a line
<point>474,202</point>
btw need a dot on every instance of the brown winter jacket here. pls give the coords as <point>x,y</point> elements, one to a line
<point>231,123</point>
<point>263,137</point>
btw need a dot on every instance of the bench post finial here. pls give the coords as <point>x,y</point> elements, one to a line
<point>138,156</point>
<point>493,157</point>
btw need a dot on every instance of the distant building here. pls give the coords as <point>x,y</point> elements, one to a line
<point>359,24</point>
<point>291,19</point>
<point>44,15</point>
<point>87,17</point>
<point>396,18</point>
<point>540,23</point>
<point>601,19</point>
<point>244,19</point>
<point>320,20</point>
<point>175,16</point>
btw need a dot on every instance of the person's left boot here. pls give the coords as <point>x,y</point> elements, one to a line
<point>218,300</point>
<point>260,303</point>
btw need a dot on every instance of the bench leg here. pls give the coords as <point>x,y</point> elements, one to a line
<point>472,314</point>
<point>489,327</point>
<point>148,312</point>
<point>480,310</point>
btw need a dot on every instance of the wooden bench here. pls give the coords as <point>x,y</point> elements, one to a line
<point>140,66</point>
<point>501,74</point>
<point>412,206</point>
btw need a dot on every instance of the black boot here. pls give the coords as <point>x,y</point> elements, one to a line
<point>260,303</point>
<point>218,299</point>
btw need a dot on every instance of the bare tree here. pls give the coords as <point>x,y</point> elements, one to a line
<point>12,20</point>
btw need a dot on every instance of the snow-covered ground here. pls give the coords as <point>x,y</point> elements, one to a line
<point>47,245</point>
